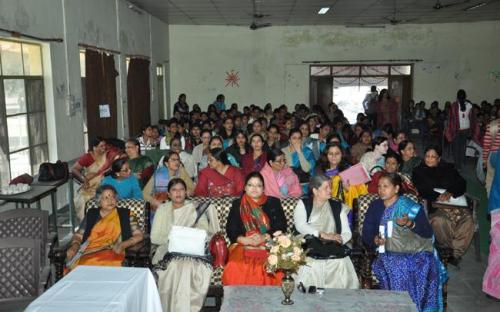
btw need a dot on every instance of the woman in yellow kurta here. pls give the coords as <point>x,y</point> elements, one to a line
<point>331,162</point>
<point>104,234</point>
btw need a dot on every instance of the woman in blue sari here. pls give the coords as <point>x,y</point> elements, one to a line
<point>299,158</point>
<point>406,259</point>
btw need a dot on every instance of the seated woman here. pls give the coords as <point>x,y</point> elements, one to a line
<point>141,166</point>
<point>156,190</point>
<point>326,219</point>
<point>219,178</point>
<point>331,163</point>
<point>251,222</point>
<point>94,164</point>
<point>299,158</point>
<point>409,157</point>
<point>186,158</point>
<point>280,180</point>
<point>373,161</point>
<point>183,281</point>
<point>256,158</point>
<point>239,148</point>
<point>408,262</point>
<point>363,145</point>
<point>200,151</point>
<point>125,184</point>
<point>392,165</point>
<point>104,233</point>
<point>454,228</point>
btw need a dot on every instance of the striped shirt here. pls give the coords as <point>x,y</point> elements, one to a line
<point>488,145</point>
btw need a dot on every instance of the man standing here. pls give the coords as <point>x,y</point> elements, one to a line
<point>370,106</point>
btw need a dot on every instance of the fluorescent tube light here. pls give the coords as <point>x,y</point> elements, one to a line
<point>323,10</point>
<point>475,6</point>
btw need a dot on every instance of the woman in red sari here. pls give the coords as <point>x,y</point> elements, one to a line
<point>219,178</point>
<point>251,222</point>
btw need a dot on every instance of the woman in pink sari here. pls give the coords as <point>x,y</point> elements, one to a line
<point>280,180</point>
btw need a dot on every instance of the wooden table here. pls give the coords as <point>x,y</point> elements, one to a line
<point>36,194</point>
<point>268,299</point>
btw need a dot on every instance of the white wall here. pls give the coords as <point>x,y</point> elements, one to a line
<point>269,60</point>
<point>108,24</point>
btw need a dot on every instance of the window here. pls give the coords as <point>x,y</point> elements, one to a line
<point>160,84</point>
<point>22,107</point>
<point>84,100</point>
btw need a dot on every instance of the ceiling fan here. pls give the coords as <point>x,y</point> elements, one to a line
<point>393,20</point>
<point>439,5</point>
<point>256,15</point>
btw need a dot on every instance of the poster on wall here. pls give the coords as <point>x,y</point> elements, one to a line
<point>232,78</point>
<point>104,111</point>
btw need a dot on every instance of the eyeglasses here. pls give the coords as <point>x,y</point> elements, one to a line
<point>174,159</point>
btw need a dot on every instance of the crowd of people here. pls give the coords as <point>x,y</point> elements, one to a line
<point>261,155</point>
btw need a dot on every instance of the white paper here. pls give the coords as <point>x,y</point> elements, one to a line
<point>381,231</point>
<point>104,111</point>
<point>389,228</point>
<point>454,201</point>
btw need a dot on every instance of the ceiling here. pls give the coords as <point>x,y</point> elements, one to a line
<point>304,12</point>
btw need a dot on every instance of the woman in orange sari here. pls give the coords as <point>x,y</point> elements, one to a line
<point>104,234</point>
<point>251,222</point>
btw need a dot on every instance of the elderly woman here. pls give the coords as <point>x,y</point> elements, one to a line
<point>326,219</point>
<point>256,158</point>
<point>125,184</point>
<point>409,156</point>
<point>407,261</point>
<point>454,228</point>
<point>141,166</point>
<point>155,191</point>
<point>374,160</point>
<point>280,180</point>
<point>104,234</point>
<point>220,178</point>
<point>299,158</point>
<point>251,222</point>
<point>95,164</point>
<point>183,281</point>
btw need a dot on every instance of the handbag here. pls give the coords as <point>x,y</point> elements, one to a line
<point>404,240</point>
<point>322,249</point>
<point>53,171</point>
<point>187,240</point>
<point>218,250</point>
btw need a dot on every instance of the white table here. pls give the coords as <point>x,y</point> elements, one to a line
<point>268,299</point>
<point>94,288</point>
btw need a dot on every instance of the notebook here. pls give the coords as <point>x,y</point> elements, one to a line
<point>355,175</point>
<point>455,201</point>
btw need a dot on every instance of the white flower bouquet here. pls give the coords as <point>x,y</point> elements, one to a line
<point>285,253</point>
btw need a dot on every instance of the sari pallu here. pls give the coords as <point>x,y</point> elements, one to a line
<point>83,195</point>
<point>420,273</point>
<point>213,184</point>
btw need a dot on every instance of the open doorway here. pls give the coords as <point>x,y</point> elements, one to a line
<point>347,85</point>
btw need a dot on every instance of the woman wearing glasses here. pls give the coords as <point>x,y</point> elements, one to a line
<point>252,220</point>
<point>120,177</point>
<point>280,180</point>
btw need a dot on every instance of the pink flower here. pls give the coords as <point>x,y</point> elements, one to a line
<point>296,258</point>
<point>277,233</point>
<point>274,249</point>
<point>272,259</point>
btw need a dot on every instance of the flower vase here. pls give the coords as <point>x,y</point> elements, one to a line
<point>287,286</point>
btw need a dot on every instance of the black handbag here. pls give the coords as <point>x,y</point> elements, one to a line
<point>304,177</point>
<point>53,171</point>
<point>322,249</point>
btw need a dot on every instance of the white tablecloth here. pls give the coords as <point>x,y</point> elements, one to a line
<point>93,288</point>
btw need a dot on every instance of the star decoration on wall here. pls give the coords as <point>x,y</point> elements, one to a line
<point>232,78</point>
